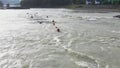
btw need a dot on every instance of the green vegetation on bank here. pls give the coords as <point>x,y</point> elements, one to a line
<point>52,3</point>
<point>1,4</point>
<point>45,3</point>
<point>63,3</point>
<point>73,6</point>
<point>108,2</point>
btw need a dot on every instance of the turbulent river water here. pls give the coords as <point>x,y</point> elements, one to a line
<point>87,39</point>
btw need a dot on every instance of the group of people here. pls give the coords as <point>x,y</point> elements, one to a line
<point>58,30</point>
<point>53,22</point>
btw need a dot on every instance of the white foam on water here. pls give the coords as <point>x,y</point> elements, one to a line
<point>107,66</point>
<point>82,63</point>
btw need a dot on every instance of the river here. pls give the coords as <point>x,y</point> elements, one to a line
<point>87,39</point>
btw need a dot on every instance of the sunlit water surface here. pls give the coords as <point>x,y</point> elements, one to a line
<point>86,40</point>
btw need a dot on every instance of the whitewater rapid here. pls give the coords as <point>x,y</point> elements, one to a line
<point>87,39</point>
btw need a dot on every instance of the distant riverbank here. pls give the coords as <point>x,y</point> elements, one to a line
<point>101,8</point>
<point>94,6</point>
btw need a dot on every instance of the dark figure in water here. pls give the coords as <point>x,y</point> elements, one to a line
<point>40,22</point>
<point>31,17</point>
<point>58,30</point>
<point>36,12</point>
<point>47,16</point>
<point>118,16</point>
<point>53,21</point>
<point>56,27</point>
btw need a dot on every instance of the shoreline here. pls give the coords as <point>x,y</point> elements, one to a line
<point>94,6</point>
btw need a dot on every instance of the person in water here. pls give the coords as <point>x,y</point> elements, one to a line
<point>31,17</point>
<point>58,30</point>
<point>40,22</point>
<point>53,22</point>
<point>27,13</point>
